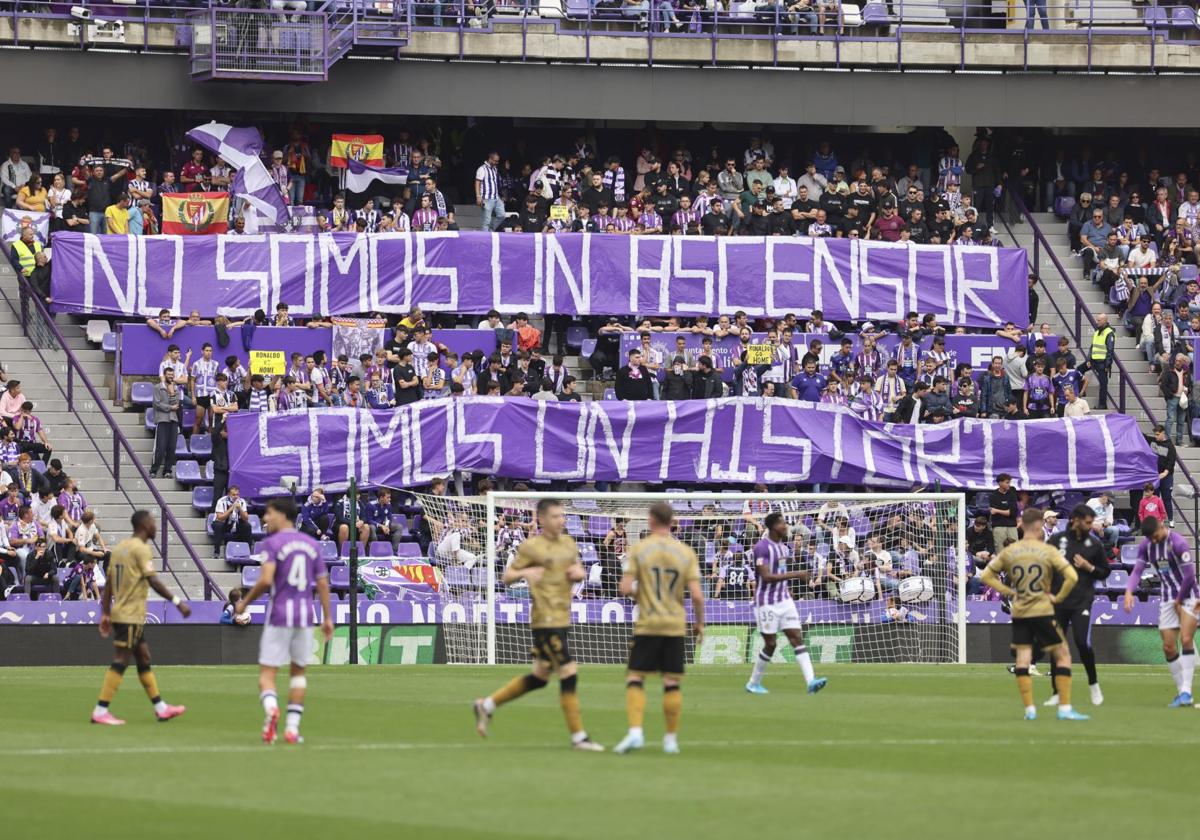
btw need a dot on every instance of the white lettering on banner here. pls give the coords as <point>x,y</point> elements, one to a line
<point>989,477</point>
<point>159,244</point>
<point>420,474</point>
<point>302,453</point>
<point>981,357</point>
<point>1110,459</point>
<point>823,262</point>
<point>724,243</point>
<point>262,278</point>
<point>450,273</point>
<point>579,288</point>
<point>279,242</point>
<point>672,437</point>
<point>620,455</point>
<point>838,455</point>
<point>928,469</point>
<point>582,442</point>
<point>492,439</point>
<point>124,292</point>
<point>522,244</point>
<point>1022,456</point>
<point>774,275</point>
<point>660,275</point>
<point>1072,457</point>
<point>328,248</point>
<point>948,314</point>
<point>370,434</point>
<point>967,285</point>
<point>735,453</point>
<point>801,443</point>
<point>897,285</point>
<point>705,275</point>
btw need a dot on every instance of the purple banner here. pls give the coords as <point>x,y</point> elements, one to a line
<point>142,349</point>
<point>733,440</point>
<point>582,274</point>
<point>517,612</point>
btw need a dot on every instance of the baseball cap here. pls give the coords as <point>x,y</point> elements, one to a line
<point>841,169</point>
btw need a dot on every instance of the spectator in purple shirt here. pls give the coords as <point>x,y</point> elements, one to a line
<point>808,384</point>
<point>31,434</point>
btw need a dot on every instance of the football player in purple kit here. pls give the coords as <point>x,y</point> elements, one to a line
<point>774,608</point>
<point>1172,559</point>
<point>291,568</point>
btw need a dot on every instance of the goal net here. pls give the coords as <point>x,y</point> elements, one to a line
<point>886,573</point>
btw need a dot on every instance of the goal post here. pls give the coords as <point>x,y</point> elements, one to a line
<point>887,572</point>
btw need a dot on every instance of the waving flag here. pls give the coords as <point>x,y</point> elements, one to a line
<point>364,148</point>
<point>240,148</point>
<point>195,212</point>
<point>359,176</point>
<point>14,221</point>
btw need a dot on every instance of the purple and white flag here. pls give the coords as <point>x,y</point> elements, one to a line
<point>14,220</point>
<point>359,176</point>
<point>252,183</point>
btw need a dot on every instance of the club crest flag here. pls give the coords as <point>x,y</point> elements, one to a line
<point>364,148</point>
<point>195,212</point>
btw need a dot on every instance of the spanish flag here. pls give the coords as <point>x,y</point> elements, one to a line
<point>364,148</point>
<point>195,212</point>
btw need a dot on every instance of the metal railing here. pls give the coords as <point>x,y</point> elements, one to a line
<point>233,43</point>
<point>1083,317</point>
<point>917,34</point>
<point>38,324</point>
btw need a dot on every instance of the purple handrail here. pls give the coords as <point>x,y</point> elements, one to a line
<point>74,368</point>
<point>1081,310</point>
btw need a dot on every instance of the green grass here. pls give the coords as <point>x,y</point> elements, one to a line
<point>885,751</point>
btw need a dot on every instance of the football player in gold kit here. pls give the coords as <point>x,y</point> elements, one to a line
<point>549,563</point>
<point>131,576</point>
<point>664,569</point>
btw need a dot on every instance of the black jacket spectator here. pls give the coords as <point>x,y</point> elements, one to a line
<point>676,386</point>
<point>630,387</point>
<point>707,385</point>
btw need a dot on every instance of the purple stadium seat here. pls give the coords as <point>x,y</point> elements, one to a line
<point>408,549</point>
<point>208,472</point>
<point>187,472</point>
<point>576,335</point>
<point>598,526</point>
<point>1183,17</point>
<point>256,527</point>
<point>875,14</point>
<point>109,343</point>
<point>575,526</point>
<point>1117,580</point>
<point>202,498</point>
<point>381,549</point>
<point>188,417</point>
<point>1154,16</point>
<point>237,553</point>
<point>208,524</point>
<point>250,575</point>
<point>201,446</point>
<point>1063,205</point>
<point>610,393</point>
<point>587,348</point>
<point>149,420</point>
<point>345,552</point>
<point>18,596</point>
<point>181,447</point>
<point>142,393</point>
<point>327,550</point>
<point>587,553</point>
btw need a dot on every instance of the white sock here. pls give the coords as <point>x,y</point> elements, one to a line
<point>489,705</point>
<point>760,668</point>
<point>578,737</point>
<point>805,663</point>
<point>161,707</point>
<point>1187,671</point>
<point>294,711</point>
<point>98,711</point>
<point>636,731</point>
<point>1176,667</point>
<point>1065,708</point>
<point>1031,709</point>
<point>269,701</point>
<point>671,739</point>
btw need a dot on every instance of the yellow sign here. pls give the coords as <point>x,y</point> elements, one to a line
<point>560,212</point>
<point>760,354</point>
<point>268,362</point>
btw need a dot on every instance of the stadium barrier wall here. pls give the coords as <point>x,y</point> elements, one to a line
<point>423,644</point>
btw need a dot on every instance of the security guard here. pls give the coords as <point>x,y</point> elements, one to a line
<point>1085,551</point>
<point>26,250</point>
<point>1100,356</point>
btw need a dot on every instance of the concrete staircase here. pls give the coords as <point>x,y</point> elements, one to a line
<point>83,440</point>
<point>1126,345</point>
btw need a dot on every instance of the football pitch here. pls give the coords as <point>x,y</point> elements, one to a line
<point>885,751</point>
